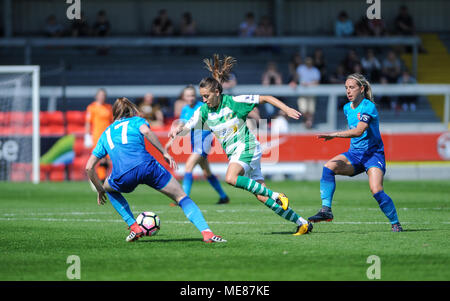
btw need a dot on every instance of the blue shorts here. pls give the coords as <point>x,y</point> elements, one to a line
<point>362,161</point>
<point>201,142</point>
<point>150,172</point>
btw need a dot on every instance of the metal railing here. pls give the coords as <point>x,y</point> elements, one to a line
<point>331,91</point>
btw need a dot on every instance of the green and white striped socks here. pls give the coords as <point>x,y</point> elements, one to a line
<point>259,189</point>
<point>288,214</point>
<point>255,187</point>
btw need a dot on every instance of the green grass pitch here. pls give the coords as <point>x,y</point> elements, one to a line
<point>41,225</point>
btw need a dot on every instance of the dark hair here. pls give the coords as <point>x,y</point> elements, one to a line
<point>220,72</point>
<point>123,107</point>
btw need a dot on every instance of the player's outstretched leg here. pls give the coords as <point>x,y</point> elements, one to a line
<point>191,210</point>
<point>121,205</point>
<point>259,189</point>
<point>303,226</point>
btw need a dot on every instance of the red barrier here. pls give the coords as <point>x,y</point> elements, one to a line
<point>289,148</point>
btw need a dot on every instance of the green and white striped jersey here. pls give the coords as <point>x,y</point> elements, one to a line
<point>228,123</point>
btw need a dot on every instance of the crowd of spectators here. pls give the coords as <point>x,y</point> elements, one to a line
<point>311,70</point>
<point>403,24</point>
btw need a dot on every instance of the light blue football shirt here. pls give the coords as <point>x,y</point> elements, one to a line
<point>187,111</point>
<point>124,144</point>
<point>370,140</point>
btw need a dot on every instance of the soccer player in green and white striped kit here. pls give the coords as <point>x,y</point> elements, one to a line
<point>225,116</point>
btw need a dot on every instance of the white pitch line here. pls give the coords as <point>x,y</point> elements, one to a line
<point>93,220</point>
<point>19,213</point>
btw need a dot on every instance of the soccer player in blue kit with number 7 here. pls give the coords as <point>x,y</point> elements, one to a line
<point>123,141</point>
<point>366,152</point>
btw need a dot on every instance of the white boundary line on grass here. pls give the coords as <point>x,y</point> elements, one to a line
<point>94,220</point>
<point>205,211</point>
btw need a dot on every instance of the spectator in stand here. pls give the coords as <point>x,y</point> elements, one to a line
<point>80,27</point>
<point>391,67</point>
<point>248,27</point>
<point>407,102</point>
<point>99,116</point>
<point>102,26</point>
<point>371,66</point>
<point>151,112</point>
<point>188,27</point>
<point>350,60</point>
<point>339,76</point>
<point>404,23</point>
<point>265,28</point>
<point>357,68</point>
<point>319,63</point>
<point>343,26</point>
<point>271,75</point>
<point>362,27</point>
<point>308,76</point>
<point>377,27</point>
<point>52,28</point>
<point>294,63</point>
<point>162,26</point>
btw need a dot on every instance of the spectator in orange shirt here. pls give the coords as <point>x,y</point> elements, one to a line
<point>98,117</point>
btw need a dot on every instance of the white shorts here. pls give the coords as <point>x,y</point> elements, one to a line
<point>253,168</point>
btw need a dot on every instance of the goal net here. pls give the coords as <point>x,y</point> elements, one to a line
<point>19,123</point>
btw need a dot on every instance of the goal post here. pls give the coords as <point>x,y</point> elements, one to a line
<point>19,93</point>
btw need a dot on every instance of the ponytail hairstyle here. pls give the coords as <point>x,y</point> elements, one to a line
<point>363,82</point>
<point>220,72</point>
<point>124,108</point>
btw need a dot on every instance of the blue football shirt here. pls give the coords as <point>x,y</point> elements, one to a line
<point>366,112</point>
<point>124,144</point>
<point>187,111</point>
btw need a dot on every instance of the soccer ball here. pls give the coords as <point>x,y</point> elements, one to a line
<point>149,223</point>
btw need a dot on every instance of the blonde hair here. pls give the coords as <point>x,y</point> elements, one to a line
<point>188,87</point>
<point>220,71</point>
<point>123,107</point>
<point>363,82</point>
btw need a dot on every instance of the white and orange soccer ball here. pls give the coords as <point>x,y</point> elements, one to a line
<point>149,223</point>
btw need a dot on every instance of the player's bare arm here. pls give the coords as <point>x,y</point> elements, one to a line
<point>153,139</point>
<point>90,170</point>
<point>292,113</point>
<point>352,133</point>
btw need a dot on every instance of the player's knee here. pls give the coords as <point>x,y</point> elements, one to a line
<point>375,188</point>
<point>331,165</point>
<point>231,179</point>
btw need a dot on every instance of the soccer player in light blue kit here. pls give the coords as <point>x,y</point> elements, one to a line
<point>123,141</point>
<point>201,142</point>
<point>366,152</point>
